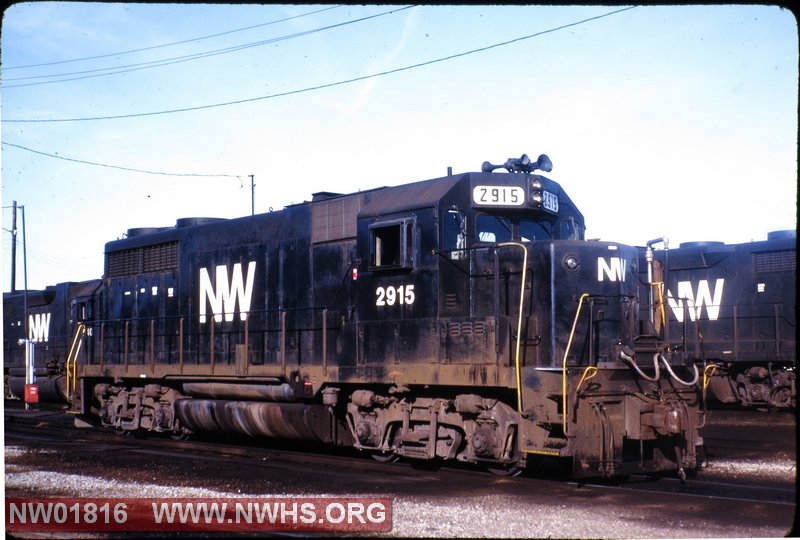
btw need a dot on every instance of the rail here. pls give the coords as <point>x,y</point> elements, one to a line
<point>517,360</point>
<point>564,364</point>
<point>266,337</point>
<point>71,364</point>
<point>585,377</point>
<point>659,286</point>
<point>707,376</point>
<point>726,332</point>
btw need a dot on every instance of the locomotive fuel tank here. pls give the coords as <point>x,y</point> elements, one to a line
<point>258,419</point>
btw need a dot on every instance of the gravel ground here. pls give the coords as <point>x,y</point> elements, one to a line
<point>477,517</point>
<point>499,512</point>
<point>781,469</point>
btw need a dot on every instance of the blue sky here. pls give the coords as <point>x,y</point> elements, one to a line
<point>660,120</point>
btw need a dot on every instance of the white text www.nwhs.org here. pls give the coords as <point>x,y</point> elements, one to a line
<point>266,513</point>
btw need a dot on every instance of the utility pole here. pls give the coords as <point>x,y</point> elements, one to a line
<point>14,249</point>
<point>25,269</point>
<point>30,363</point>
<point>31,389</point>
<point>252,195</point>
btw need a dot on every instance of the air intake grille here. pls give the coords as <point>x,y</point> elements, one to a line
<point>466,328</point>
<point>687,261</point>
<point>784,260</point>
<point>157,258</point>
<point>335,219</point>
<point>123,263</point>
<point>160,257</point>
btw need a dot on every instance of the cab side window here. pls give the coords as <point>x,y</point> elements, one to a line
<point>392,244</point>
<point>454,234</point>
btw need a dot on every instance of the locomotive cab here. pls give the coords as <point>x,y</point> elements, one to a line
<point>502,257</point>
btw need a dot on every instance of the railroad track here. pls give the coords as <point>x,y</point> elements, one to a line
<point>708,488</point>
<point>54,428</point>
<point>46,456</point>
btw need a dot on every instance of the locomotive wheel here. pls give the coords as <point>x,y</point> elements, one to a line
<point>504,470</point>
<point>180,435</point>
<point>385,457</point>
<point>781,397</point>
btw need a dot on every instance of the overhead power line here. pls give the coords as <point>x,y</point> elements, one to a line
<point>51,260</point>
<point>7,68</point>
<point>327,85</point>
<point>179,59</point>
<point>118,167</point>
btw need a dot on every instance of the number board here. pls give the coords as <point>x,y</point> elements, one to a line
<point>550,201</point>
<point>498,195</point>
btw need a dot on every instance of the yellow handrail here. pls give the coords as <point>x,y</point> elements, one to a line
<point>564,365</point>
<point>519,319</point>
<point>71,365</point>
<point>660,286</point>
<point>589,369</point>
<point>707,376</point>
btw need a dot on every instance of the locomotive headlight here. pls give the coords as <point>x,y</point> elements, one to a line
<point>536,198</point>
<point>571,263</point>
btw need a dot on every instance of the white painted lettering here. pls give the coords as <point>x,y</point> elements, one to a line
<point>694,304</point>
<point>614,269</point>
<point>389,296</point>
<point>224,293</point>
<point>39,327</point>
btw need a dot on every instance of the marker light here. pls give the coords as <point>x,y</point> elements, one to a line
<point>535,196</point>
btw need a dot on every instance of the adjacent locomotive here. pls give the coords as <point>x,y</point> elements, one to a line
<point>459,318</point>
<point>48,320</point>
<point>732,309</point>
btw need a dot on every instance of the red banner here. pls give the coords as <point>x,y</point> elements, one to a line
<point>296,514</point>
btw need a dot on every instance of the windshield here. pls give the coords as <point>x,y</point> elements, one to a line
<point>530,230</point>
<point>497,229</point>
<point>493,228</point>
<point>571,230</point>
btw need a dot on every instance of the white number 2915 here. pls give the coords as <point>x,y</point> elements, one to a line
<point>389,296</point>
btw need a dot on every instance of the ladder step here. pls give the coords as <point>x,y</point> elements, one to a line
<point>412,451</point>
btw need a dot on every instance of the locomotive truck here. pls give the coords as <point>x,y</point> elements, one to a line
<point>460,318</point>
